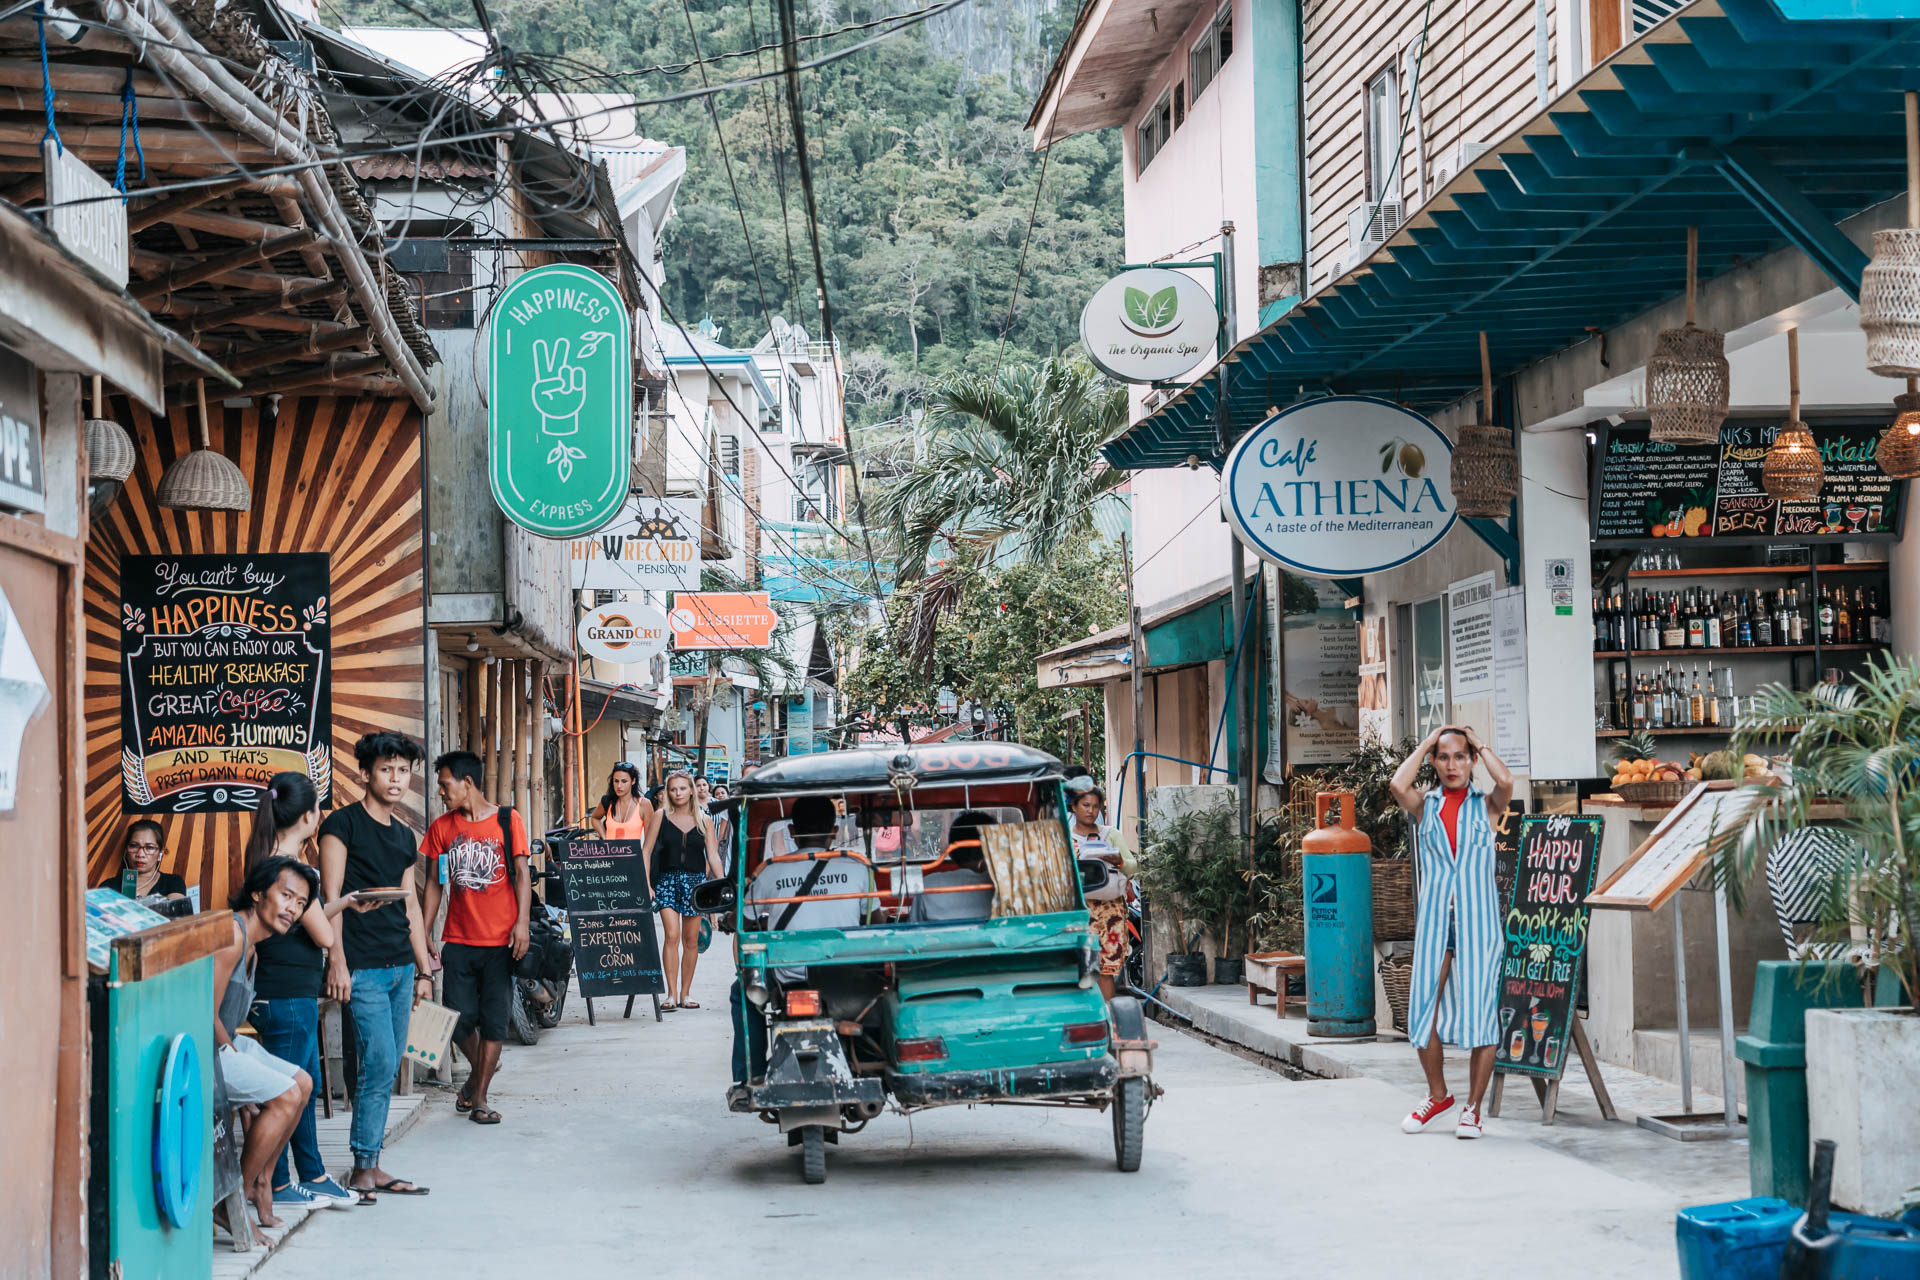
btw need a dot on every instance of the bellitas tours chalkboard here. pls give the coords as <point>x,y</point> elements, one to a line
<point>616,954</point>
<point>1645,489</point>
<point>225,679</point>
<point>603,875</point>
<point>1546,936</point>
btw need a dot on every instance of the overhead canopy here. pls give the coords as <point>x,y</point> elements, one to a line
<point>1761,122</point>
<point>1194,627</point>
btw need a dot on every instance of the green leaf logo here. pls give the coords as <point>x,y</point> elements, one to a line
<point>1151,313</point>
<point>1136,302</point>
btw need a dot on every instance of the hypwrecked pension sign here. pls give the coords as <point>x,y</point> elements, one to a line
<point>1149,324</point>
<point>559,401</point>
<point>1340,486</point>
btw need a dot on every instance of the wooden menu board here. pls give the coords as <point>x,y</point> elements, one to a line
<point>603,875</point>
<point>1645,490</point>
<point>225,679</point>
<point>1545,941</point>
<point>1709,818</point>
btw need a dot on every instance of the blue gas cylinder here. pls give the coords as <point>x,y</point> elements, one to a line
<point>1337,872</point>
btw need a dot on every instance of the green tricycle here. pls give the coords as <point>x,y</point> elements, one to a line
<point>911,929</point>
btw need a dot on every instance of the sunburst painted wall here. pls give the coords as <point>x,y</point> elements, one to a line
<point>332,474</point>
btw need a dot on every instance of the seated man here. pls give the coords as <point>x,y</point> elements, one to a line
<point>774,901</point>
<point>968,859</point>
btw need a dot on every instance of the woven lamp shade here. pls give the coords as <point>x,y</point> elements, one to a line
<point>1486,472</point>
<point>1688,385</point>
<point>1899,453</point>
<point>204,481</point>
<point>1890,303</point>
<point>1792,470</point>
<point>110,453</point>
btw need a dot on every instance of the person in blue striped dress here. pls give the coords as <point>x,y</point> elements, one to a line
<point>1458,933</point>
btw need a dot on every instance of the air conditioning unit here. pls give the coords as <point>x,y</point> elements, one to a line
<point>1455,162</point>
<point>1369,225</point>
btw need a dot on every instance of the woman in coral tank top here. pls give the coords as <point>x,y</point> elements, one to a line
<point>623,812</point>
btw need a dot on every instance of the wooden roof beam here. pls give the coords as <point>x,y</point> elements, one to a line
<point>313,345</point>
<point>181,275</point>
<point>162,210</point>
<point>327,374</point>
<point>253,311</point>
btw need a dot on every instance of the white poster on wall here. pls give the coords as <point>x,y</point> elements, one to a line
<point>1470,652</point>
<point>1376,688</point>
<point>1322,672</point>
<point>1509,739</point>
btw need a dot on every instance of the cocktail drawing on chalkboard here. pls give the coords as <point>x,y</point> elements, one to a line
<point>1553,1051</point>
<point>1506,1020</point>
<point>1873,518</point>
<point>1517,1042</point>
<point>1539,1019</point>
<point>1855,514</point>
<point>1832,524</point>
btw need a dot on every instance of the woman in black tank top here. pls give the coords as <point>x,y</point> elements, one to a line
<point>681,852</point>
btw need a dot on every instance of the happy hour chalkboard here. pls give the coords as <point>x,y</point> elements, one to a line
<point>616,954</point>
<point>603,875</point>
<point>224,679</point>
<point>1645,489</point>
<point>1546,936</point>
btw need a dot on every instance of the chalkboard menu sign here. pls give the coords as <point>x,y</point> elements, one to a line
<point>616,953</point>
<point>224,679</point>
<point>1645,489</point>
<point>1506,849</point>
<point>603,875</point>
<point>1546,937</point>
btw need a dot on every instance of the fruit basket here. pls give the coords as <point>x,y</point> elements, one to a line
<point>1662,791</point>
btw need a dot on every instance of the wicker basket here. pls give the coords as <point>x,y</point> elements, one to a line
<point>1899,452</point>
<point>1792,470</point>
<point>1688,384</point>
<point>204,481</point>
<point>1486,472</point>
<point>110,454</point>
<point>1396,975</point>
<point>1665,791</point>
<point>1890,303</point>
<point>1393,902</point>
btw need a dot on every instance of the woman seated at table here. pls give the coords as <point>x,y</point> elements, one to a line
<point>145,849</point>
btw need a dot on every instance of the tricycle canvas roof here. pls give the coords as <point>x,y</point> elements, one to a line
<point>911,929</point>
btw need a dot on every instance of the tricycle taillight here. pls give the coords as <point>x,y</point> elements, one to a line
<point>933,1049</point>
<point>1084,1033</point>
<point>803,1004</point>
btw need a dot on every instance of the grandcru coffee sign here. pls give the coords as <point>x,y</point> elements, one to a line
<point>624,633</point>
<point>224,679</point>
<point>559,401</point>
<point>1149,325</point>
<point>1340,487</point>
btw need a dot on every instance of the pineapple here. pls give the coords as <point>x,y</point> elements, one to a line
<point>1640,746</point>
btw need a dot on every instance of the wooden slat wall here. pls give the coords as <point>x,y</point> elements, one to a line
<point>1476,84</point>
<point>332,474</point>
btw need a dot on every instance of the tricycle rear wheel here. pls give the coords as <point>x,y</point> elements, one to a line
<point>1129,1122</point>
<point>813,1155</point>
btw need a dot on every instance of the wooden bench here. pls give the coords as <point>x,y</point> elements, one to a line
<point>1268,971</point>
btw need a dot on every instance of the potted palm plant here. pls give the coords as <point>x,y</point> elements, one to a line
<point>1190,867</point>
<point>1857,747</point>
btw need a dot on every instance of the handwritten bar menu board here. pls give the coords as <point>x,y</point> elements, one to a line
<point>225,679</point>
<point>1546,937</point>
<point>1645,489</point>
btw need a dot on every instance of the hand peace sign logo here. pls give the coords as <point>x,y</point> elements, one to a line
<point>559,388</point>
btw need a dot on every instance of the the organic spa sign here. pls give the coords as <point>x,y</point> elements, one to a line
<point>1149,325</point>
<point>1340,487</point>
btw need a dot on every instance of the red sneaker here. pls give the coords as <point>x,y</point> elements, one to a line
<point>1469,1126</point>
<point>1426,1115</point>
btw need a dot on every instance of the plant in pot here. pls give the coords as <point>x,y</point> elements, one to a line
<point>1190,866</point>
<point>1857,747</point>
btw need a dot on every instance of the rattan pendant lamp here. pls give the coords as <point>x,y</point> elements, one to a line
<point>1486,469</point>
<point>1688,382</point>
<point>1899,451</point>
<point>204,480</point>
<point>110,453</point>
<point>1890,285</point>
<point>1792,470</point>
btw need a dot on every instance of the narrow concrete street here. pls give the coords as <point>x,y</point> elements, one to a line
<point>616,1159</point>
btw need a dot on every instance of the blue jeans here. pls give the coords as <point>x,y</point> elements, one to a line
<point>382,1003</point>
<point>290,1029</point>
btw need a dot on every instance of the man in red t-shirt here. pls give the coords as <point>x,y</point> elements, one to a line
<point>488,896</point>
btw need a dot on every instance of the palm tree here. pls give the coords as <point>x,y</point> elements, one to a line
<point>1012,465</point>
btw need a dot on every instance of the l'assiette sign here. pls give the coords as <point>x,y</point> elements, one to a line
<point>1340,487</point>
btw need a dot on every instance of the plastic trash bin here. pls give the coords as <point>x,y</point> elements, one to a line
<point>1738,1240</point>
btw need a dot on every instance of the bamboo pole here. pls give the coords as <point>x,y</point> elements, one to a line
<point>490,734</point>
<point>1793,374</point>
<point>1913,158</point>
<point>471,694</point>
<point>579,749</point>
<point>1486,380</point>
<point>1693,266</point>
<point>537,804</point>
<point>509,732</point>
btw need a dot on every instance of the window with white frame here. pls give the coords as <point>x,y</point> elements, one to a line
<point>1383,135</point>
<point>1211,51</point>
<point>1154,130</point>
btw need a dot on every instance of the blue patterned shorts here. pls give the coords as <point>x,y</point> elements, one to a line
<point>674,891</point>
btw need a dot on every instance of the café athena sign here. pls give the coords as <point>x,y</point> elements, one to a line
<point>1340,487</point>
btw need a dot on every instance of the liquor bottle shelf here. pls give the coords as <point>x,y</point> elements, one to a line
<point>1702,731</point>
<point>1737,651</point>
<point>1757,571</point>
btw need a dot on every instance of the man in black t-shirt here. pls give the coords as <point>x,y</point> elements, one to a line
<point>380,970</point>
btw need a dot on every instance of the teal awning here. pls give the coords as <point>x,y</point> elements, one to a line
<point>1761,122</point>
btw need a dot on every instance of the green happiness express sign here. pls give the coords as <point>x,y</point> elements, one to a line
<point>559,401</point>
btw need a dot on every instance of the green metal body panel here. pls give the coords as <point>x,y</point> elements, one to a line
<point>892,944</point>
<point>994,1014</point>
<point>143,1018</point>
<point>1775,1051</point>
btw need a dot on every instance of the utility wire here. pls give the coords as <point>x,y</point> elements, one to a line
<point>726,160</point>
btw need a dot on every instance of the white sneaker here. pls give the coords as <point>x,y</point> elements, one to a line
<point>1426,1115</point>
<point>1469,1126</point>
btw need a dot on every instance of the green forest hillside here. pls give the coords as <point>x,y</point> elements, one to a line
<point>925,177</point>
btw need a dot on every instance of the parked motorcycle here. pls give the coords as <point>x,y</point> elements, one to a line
<point>540,977</point>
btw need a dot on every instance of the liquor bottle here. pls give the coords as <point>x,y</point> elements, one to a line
<point>1745,634</point>
<point>1656,705</point>
<point>1796,620</point>
<point>1696,701</point>
<point>1877,626</point>
<point>1826,615</point>
<point>1639,702</point>
<point>1782,625</point>
<point>1713,698</point>
<point>1762,622</point>
<point>1673,632</point>
<point>1729,621</point>
<point>1842,620</point>
<point>1696,621</point>
<point>1715,632</point>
